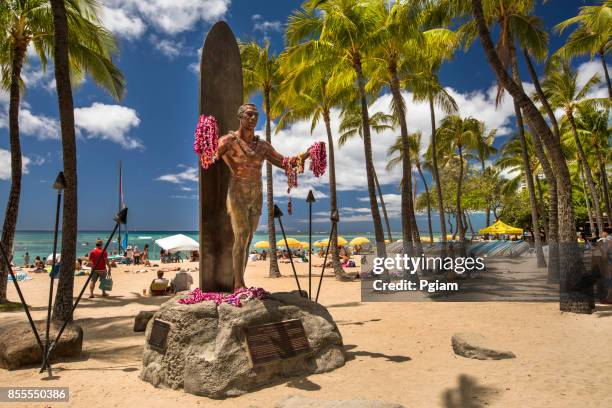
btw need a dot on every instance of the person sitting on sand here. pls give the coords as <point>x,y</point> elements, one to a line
<point>39,265</point>
<point>100,267</point>
<point>182,281</point>
<point>144,256</point>
<point>159,286</point>
<point>264,255</point>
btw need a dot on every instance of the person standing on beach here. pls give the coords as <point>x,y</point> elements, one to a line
<point>26,260</point>
<point>99,266</point>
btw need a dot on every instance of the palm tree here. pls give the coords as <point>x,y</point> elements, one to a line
<point>351,125</point>
<point>592,36</point>
<point>414,141</point>
<point>562,90</point>
<point>260,71</point>
<point>459,134</point>
<point>342,29</point>
<point>398,29</point>
<point>484,150</point>
<point>570,264</point>
<point>90,47</point>
<point>592,124</point>
<point>309,92</point>
<point>425,86</point>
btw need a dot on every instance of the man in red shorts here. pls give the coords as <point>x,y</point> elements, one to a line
<point>99,267</point>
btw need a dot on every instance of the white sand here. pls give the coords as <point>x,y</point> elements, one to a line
<point>397,352</point>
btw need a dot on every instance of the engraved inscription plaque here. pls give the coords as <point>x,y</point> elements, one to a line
<point>159,334</point>
<point>276,341</point>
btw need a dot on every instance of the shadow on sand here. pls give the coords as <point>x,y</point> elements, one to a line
<point>351,355</point>
<point>468,394</point>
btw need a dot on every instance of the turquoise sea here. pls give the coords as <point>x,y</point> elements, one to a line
<point>40,243</point>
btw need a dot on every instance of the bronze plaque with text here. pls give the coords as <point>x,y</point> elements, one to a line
<point>159,334</point>
<point>276,341</point>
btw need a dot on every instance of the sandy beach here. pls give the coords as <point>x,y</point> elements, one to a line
<point>397,352</point>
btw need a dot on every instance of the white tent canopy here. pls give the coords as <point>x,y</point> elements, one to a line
<point>178,242</point>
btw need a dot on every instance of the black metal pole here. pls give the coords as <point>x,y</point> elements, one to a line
<point>309,250</point>
<point>333,228</point>
<point>278,214</point>
<point>23,302</point>
<point>52,278</point>
<point>118,220</point>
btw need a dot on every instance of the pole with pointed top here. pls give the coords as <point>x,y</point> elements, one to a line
<point>278,214</point>
<point>334,218</point>
<point>120,218</point>
<point>310,199</point>
<point>59,185</point>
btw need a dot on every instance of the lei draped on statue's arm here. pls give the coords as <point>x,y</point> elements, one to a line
<point>295,165</point>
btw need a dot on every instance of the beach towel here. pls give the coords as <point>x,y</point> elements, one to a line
<point>20,276</point>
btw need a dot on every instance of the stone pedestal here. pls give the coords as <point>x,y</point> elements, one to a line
<point>206,352</point>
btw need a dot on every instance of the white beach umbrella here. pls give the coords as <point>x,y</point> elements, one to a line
<point>178,242</point>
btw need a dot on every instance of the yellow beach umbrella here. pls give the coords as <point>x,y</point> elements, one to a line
<point>387,241</point>
<point>319,244</point>
<point>304,244</point>
<point>359,241</point>
<point>341,241</point>
<point>262,245</point>
<point>291,241</point>
<point>499,227</point>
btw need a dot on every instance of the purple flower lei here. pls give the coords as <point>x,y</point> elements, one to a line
<point>234,299</point>
<point>318,159</point>
<point>206,140</point>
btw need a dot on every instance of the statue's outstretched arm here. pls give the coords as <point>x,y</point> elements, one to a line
<point>274,157</point>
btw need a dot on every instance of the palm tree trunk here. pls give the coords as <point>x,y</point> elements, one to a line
<point>63,298</point>
<point>436,172</point>
<point>418,165</point>
<point>587,173</point>
<point>333,200</point>
<point>367,147</point>
<point>541,95</point>
<point>274,271</point>
<point>551,178</point>
<point>468,221</point>
<point>459,220</point>
<point>383,206</point>
<point>604,186</point>
<point>12,207</point>
<point>526,166</point>
<point>586,197</point>
<point>408,216</point>
<point>602,57</point>
<point>571,265</point>
<point>541,207</point>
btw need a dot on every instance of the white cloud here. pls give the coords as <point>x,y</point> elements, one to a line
<point>121,23</point>
<point>169,16</point>
<point>168,48</point>
<point>266,26</point>
<point>5,164</point>
<point>189,174</point>
<point>40,126</point>
<point>585,71</point>
<point>108,122</point>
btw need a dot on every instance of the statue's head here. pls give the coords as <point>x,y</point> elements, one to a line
<point>248,115</point>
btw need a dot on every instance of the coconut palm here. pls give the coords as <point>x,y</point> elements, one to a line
<point>570,264</point>
<point>484,150</point>
<point>439,45</point>
<point>562,90</point>
<point>592,125</point>
<point>309,93</point>
<point>414,141</point>
<point>342,29</point>
<point>351,125</point>
<point>457,134</point>
<point>592,36</point>
<point>260,72</point>
<point>398,29</point>
<point>90,47</point>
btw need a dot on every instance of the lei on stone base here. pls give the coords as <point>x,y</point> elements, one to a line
<point>294,166</point>
<point>234,299</point>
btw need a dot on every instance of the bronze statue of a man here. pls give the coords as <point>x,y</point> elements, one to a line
<point>244,153</point>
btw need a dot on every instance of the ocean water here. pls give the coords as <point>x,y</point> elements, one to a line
<point>40,243</point>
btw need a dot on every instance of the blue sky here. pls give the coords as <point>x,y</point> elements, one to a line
<point>151,129</point>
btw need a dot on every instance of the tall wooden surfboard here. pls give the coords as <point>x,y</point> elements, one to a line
<point>220,96</point>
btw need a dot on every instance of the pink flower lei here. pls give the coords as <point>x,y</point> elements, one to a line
<point>318,159</point>
<point>206,140</point>
<point>234,299</point>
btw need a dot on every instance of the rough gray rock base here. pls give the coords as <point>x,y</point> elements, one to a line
<point>476,346</point>
<point>141,320</point>
<point>18,346</point>
<point>206,353</point>
<point>297,401</point>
